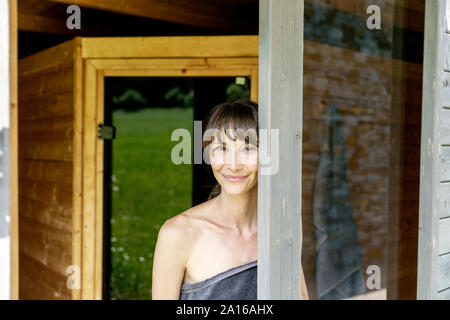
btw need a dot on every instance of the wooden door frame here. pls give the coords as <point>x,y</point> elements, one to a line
<point>205,56</point>
<point>281,108</point>
<point>9,81</point>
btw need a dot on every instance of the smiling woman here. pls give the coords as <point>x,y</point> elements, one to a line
<point>210,251</point>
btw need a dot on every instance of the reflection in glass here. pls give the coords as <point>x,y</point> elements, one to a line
<point>361,149</point>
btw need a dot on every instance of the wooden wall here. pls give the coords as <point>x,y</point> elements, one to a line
<point>45,172</point>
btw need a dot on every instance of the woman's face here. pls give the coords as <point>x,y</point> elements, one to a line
<point>234,163</point>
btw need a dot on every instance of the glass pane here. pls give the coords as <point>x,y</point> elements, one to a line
<point>361,148</point>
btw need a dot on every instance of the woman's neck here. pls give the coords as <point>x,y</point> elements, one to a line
<point>239,212</point>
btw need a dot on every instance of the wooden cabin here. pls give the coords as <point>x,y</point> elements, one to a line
<point>374,79</point>
<point>61,140</point>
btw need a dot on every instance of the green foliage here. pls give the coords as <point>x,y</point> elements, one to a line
<point>236,91</point>
<point>148,189</point>
<point>176,95</point>
<point>130,96</point>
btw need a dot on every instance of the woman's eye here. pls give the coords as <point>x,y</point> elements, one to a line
<point>219,148</point>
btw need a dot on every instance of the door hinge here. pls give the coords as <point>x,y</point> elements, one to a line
<point>106,132</point>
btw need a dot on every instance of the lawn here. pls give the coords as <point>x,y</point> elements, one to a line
<point>148,189</point>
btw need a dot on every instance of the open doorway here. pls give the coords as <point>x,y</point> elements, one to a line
<point>142,186</point>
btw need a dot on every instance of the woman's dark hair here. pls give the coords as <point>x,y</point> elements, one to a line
<point>240,114</point>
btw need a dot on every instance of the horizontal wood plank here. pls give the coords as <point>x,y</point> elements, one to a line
<point>49,192</point>
<point>36,23</point>
<point>231,61</point>
<point>32,289</point>
<point>60,104</point>
<point>445,163</point>
<point>46,149</point>
<point>178,46</point>
<point>445,126</point>
<point>444,198</point>
<point>45,243</point>
<point>56,127</point>
<point>444,294</point>
<point>447,20</point>
<point>228,72</point>
<point>444,236</point>
<point>47,60</point>
<point>42,282</point>
<point>202,14</point>
<point>446,89</point>
<point>46,170</point>
<point>174,63</point>
<point>447,50</point>
<point>46,85</point>
<point>443,272</point>
<point>59,216</point>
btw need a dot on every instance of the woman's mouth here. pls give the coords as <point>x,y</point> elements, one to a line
<point>233,178</point>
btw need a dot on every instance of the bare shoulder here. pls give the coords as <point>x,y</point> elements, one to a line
<point>175,233</point>
<point>184,228</point>
<point>176,239</point>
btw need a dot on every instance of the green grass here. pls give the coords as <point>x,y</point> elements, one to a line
<point>148,190</point>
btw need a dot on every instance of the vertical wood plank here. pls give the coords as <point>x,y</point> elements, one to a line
<point>14,170</point>
<point>254,85</point>
<point>77,160</point>
<point>100,106</point>
<point>279,191</point>
<point>89,181</point>
<point>429,177</point>
<point>395,169</point>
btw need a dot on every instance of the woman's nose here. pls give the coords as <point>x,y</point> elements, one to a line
<point>234,160</point>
